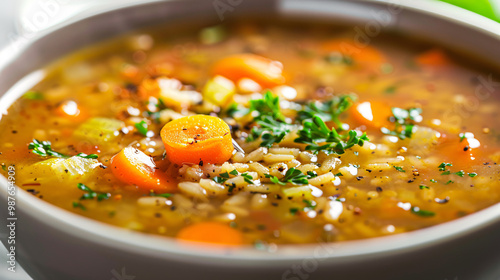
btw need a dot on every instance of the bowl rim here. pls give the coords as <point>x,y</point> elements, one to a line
<point>141,244</point>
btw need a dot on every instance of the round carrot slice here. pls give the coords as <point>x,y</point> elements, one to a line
<point>135,167</point>
<point>373,114</point>
<point>211,232</point>
<point>197,139</point>
<point>266,72</point>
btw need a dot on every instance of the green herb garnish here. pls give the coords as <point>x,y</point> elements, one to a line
<point>165,195</point>
<point>247,178</point>
<point>472,174</point>
<point>327,110</point>
<point>44,149</point>
<point>319,137</point>
<point>294,210</point>
<point>399,168</point>
<point>404,122</point>
<point>442,166</point>
<point>271,125</point>
<point>234,172</point>
<point>311,204</point>
<point>433,181</point>
<point>449,182</point>
<point>422,213</point>
<point>142,127</point>
<point>460,173</point>
<point>292,176</point>
<point>423,187</point>
<point>79,205</point>
<point>90,194</point>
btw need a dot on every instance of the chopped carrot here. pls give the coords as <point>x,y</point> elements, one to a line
<point>197,139</point>
<point>360,54</point>
<point>374,114</point>
<point>211,232</point>
<point>434,57</point>
<point>462,153</point>
<point>69,109</point>
<point>266,72</point>
<point>135,167</point>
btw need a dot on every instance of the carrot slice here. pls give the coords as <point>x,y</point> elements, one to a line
<point>211,232</point>
<point>266,72</point>
<point>197,139</point>
<point>349,48</point>
<point>135,167</point>
<point>374,114</point>
<point>434,57</point>
<point>462,153</point>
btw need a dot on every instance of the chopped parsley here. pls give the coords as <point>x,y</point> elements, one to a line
<point>294,210</point>
<point>271,125</point>
<point>338,174</point>
<point>399,168</point>
<point>422,213</point>
<point>329,110</point>
<point>404,122</point>
<point>446,172</point>
<point>442,166</point>
<point>433,181</point>
<point>142,127</point>
<point>449,182</point>
<point>79,205</point>
<point>422,187</point>
<point>460,173</point>
<point>292,176</point>
<point>472,174</point>
<point>248,179</point>
<point>234,172</point>
<point>44,149</point>
<point>165,195</point>
<point>319,137</point>
<point>222,178</point>
<point>90,194</point>
<point>311,204</point>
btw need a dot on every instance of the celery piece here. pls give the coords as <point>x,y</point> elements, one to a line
<point>219,90</point>
<point>73,169</point>
<point>99,131</point>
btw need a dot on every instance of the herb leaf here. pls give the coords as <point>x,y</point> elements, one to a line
<point>320,138</point>
<point>142,127</point>
<point>292,176</point>
<point>404,122</point>
<point>90,194</point>
<point>327,110</point>
<point>44,149</point>
<point>267,106</point>
<point>422,213</point>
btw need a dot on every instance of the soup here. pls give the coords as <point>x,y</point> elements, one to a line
<point>259,134</point>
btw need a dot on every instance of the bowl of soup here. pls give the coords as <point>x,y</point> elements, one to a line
<point>259,139</point>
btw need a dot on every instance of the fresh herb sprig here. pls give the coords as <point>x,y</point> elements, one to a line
<point>328,110</point>
<point>90,194</point>
<point>404,121</point>
<point>44,149</point>
<point>319,137</point>
<point>270,122</point>
<point>292,176</point>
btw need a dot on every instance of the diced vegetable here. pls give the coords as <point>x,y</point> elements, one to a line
<point>219,90</point>
<point>374,114</point>
<point>434,57</point>
<point>197,139</point>
<point>266,72</point>
<point>74,169</point>
<point>135,167</point>
<point>211,232</point>
<point>99,131</point>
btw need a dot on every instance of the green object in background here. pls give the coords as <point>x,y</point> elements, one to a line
<point>482,7</point>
